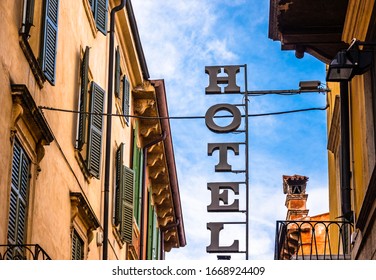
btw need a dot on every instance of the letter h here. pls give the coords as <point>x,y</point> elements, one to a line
<point>214,80</point>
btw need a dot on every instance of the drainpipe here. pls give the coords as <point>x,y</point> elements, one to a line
<point>345,153</point>
<point>144,152</point>
<point>108,129</point>
<point>163,230</point>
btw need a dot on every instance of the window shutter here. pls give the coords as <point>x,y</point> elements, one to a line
<point>77,247</point>
<point>155,250</point>
<point>153,233</point>
<point>119,183</point>
<point>29,16</point>
<point>126,226</point>
<point>92,5</point>
<point>101,16</point>
<point>137,163</point>
<point>18,196</point>
<point>117,72</point>
<point>49,41</point>
<point>95,130</point>
<point>83,99</point>
<point>126,97</point>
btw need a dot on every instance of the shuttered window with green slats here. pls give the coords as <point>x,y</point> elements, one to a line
<point>18,195</point>
<point>125,103</point>
<point>49,39</point>
<point>153,233</point>
<point>124,197</point>
<point>82,121</point>
<point>90,126</point>
<point>117,72</point>
<point>95,127</point>
<point>122,86</point>
<point>77,247</point>
<point>99,9</point>
<point>137,167</point>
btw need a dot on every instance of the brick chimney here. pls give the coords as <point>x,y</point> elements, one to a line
<point>296,198</point>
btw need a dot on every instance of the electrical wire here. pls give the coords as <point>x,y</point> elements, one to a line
<point>183,117</point>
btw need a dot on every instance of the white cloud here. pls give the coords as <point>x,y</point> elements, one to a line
<point>179,39</point>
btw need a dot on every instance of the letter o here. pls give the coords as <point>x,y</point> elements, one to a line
<point>210,113</point>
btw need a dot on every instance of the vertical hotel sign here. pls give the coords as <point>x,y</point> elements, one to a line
<point>225,196</point>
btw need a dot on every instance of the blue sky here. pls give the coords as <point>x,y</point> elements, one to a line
<point>179,39</point>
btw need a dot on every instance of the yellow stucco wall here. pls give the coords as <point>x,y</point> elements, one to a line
<point>362,151</point>
<point>49,215</point>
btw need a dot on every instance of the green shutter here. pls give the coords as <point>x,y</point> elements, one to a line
<point>126,195</point>
<point>155,237</point>
<point>150,230</point>
<point>100,15</point>
<point>137,167</point>
<point>18,196</point>
<point>119,183</point>
<point>49,39</point>
<point>95,129</point>
<point>83,99</point>
<point>126,97</point>
<point>77,247</point>
<point>117,72</point>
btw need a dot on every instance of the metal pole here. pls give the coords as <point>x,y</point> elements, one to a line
<point>345,152</point>
<point>108,150</point>
<point>246,162</point>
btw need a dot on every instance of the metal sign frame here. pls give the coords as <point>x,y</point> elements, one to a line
<point>228,78</point>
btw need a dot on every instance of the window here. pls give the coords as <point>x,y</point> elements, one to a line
<point>40,17</point>
<point>153,234</point>
<point>124,197</point>
<point>137,167</point>
<point>126,98</point>
<point>99,9</point>
<point>122,86</point>
<point>77,247</point>
<point>296,189</point>
<point>83,224</point>
<point>49,39</point>
<point>18,195</point>
<point>90,126</point>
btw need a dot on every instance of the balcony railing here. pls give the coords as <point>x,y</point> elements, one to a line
<point>313,240</point>
<point>23,252</point>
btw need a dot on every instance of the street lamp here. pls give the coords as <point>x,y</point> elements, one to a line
<point>345,65</point>
<point>350,62</point>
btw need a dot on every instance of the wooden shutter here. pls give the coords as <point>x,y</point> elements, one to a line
<point>153,233</point>
<point>124,197</point>
<point>92,4</point>
<point>126,227</point>
<point>49,39</point>
<point>137,167</point>
<point>95,129</point>
<point>155,250</point>
<point>29,16</point>
<point>100,15</point>
<point>18,196</point>
<point>119,183</point>
<point>82,123</point>
<point>117,72</point>
<point>77,247</point>
<point>126,97</point>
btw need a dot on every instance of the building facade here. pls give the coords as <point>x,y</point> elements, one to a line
<point>78,180</point>
<point>323,29</point>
